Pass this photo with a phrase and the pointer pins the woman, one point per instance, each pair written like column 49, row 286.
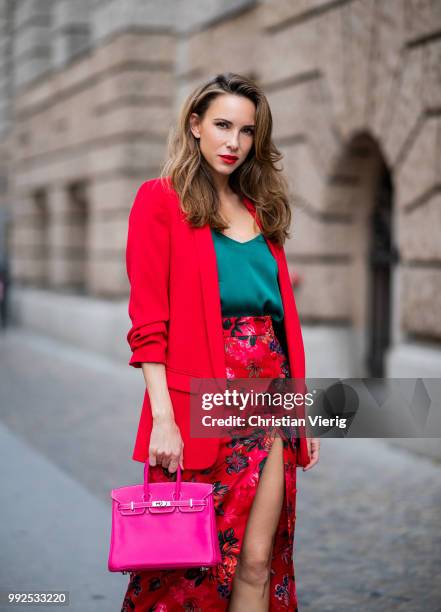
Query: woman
column 211, row 298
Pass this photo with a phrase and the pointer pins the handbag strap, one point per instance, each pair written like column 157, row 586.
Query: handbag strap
column 146, row 481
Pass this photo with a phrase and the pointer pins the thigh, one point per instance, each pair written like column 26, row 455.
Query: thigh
column 265, row 511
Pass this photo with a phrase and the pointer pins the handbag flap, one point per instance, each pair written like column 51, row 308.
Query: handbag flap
column 193, row 498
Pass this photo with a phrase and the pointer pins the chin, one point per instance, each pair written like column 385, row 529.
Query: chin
column 221, row 169
column 226, row 169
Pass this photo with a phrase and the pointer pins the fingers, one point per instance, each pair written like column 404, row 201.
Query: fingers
column 173, row 466
column 310, row 465
column 171, row 463
column 152, row 458
column 313, row 452
column 155, row 458
column 167, row 459
column 181, row 458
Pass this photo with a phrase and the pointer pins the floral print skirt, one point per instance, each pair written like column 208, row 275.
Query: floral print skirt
column 251, row 350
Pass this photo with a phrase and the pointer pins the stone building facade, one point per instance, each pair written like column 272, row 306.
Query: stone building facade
column 89, row 90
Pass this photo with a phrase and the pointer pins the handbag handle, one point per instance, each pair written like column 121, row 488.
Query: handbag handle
column 146, row 482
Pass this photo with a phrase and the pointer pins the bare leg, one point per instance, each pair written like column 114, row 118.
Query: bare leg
column 252, row 578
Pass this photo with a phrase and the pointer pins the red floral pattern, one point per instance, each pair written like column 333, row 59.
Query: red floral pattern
column 251, row 350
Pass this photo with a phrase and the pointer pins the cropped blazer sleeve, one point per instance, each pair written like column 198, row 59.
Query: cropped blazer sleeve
column 147, row 263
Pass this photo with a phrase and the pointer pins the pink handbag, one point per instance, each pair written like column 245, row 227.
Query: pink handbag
column 163, row 525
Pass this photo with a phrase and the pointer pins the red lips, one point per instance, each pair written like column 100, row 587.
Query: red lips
column 229, row 159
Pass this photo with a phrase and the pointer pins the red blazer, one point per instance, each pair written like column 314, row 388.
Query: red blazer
column 175, row 310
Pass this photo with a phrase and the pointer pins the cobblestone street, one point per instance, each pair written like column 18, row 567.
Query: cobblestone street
column 368, row 533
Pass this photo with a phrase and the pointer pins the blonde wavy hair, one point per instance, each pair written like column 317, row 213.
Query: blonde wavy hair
column 257, row 177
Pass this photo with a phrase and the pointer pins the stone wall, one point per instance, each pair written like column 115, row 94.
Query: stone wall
column 98, row 124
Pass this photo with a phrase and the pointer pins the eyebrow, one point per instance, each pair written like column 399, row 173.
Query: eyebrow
column 227, row 121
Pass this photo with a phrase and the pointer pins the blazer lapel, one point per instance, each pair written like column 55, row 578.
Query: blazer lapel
column 294, row 339
column 292, row 325
column 211, row 298
column 271, row 245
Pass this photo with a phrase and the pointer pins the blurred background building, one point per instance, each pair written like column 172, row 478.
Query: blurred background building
column 89, row 89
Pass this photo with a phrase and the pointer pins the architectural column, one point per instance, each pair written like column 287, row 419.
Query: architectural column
column 67, row 237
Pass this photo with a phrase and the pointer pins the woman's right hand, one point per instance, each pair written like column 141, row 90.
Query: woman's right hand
column 166, row 444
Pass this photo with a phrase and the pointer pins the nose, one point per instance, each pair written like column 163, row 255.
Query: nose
column 233, row 142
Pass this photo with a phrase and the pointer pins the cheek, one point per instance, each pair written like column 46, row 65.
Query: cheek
column 249, row 146
column 212, row 141
column 217, row 139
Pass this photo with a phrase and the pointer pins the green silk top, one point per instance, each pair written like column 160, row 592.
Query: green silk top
column 248, row 281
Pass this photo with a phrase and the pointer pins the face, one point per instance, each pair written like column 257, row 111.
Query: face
column 227, row 129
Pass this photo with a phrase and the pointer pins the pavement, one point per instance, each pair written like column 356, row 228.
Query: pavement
column 368, row 529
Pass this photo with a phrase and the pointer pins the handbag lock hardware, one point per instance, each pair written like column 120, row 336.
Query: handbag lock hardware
column 161, row 503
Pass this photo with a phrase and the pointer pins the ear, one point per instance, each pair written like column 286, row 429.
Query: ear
column 194, row 125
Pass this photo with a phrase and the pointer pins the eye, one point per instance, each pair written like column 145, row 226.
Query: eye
column 223, row 124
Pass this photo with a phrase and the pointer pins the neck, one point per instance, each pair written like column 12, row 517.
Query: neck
column 222, row 186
